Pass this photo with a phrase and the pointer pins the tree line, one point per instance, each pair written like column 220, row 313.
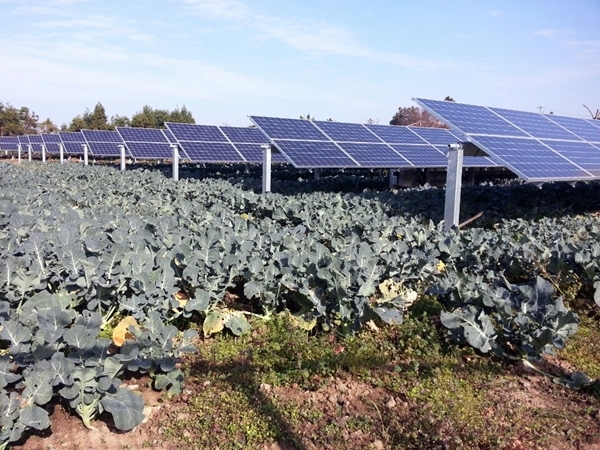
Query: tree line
column 16, row 121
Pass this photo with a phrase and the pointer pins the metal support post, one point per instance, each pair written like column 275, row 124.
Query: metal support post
column 317, row 173
column 85, row 154
column 43, row 153
column 61, row 149
column 175, row 162
column 29, row 152
column 453, row 186
column 19, row 152
column 122, row 148
column 266, row 182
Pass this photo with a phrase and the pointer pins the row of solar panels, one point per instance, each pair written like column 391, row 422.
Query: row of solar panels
column 305, row 144
column 537, row 147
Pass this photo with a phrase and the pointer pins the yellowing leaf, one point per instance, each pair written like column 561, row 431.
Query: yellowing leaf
column 214, row 323
column 300, row 322
column 245, row 216
column 441, row 266
column 120, row 333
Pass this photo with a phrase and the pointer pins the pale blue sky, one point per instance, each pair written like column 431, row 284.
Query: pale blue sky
column 348, row 60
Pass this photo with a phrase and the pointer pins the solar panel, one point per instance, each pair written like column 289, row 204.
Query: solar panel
column 536, row 147
column 435, row 136
column 584, row 129
column 374, row 155
column 422, row 155
column 196, row 133
column 52, row 142
column 205, row 143
column 395, row 134
column 9, row 143
column 104, row 143
column 471, row 119
column 296, row 129
column 249, row 141
column 310, row 154
column 146, row 143
column 73, row 141
column 530, row 159
column 535, row 125
column 347, row 132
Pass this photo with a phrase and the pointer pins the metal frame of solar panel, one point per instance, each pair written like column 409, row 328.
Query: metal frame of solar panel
column 537, row 147
column 313, row 144
column 146, row 143
column 73, row 141
column 104, row 143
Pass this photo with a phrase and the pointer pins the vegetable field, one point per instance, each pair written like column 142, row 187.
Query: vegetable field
column 105, row 274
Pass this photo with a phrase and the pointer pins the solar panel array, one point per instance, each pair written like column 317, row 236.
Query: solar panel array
column 9, row 143
column 146, row 143
column 309, row 144
column 72, row 141
column 210, row 143
column 52, row 142
column 537, row 147
column 104, row 143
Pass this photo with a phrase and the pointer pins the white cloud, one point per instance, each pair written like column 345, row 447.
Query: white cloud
column 547, row 33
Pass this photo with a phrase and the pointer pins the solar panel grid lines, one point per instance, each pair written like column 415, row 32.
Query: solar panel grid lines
column 583, row 128
column 557, row 148
column 248, row 141
column 471, row 119
column 52, row 142
column 35, row 139
column 392, row 134
column 205, row 143
column 535, row 125
column 104, row 143
column 196, row 133
column 73, row 141
column 146, row 143
column 311, row 154
column 347, row 132
column 374, row 155
column 9, row 143
column 531, row 159
column 291, row 129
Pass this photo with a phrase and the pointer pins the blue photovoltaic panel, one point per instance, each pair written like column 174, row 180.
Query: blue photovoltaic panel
column 530, row 159
column 104, row 143
column 73, row 141
column 151, row 150
column 196, row 133
column 244, row 135
column 146, row 143
column 583, row 154
column 347, row 132
column 583, row 128
column 557, row 147
column 211, row 152
column 72, row 136
column 23, row 139
column 310, row 154
column 52, row 142
column 9, row 143
column 471, row 119
column 435, row 136
column 294, row 129
column 422, row 155
column 534, row 124
column 392, row 134
column 169, row 135
column 248, row 142
column 35, row 139
column 374, row 155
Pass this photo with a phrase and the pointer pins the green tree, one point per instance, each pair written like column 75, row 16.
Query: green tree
column 15, row 121
column 120, row 121
column 156, row 118
column 94, row 120
column 47, row 126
